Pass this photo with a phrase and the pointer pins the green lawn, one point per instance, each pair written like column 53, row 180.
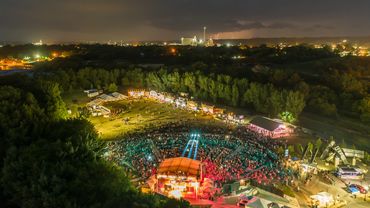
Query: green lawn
column 140, row 114
column 343, row 129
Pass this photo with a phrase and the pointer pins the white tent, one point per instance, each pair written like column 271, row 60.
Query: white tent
column 322, row 199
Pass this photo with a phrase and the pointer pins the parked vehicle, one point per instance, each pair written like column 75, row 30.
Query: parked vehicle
column 353, row 190
column 360, row 188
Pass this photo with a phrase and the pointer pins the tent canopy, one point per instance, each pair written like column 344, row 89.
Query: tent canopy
column 180, row 166
column 265, row 123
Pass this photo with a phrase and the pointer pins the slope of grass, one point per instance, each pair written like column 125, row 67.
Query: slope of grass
column 139, row 115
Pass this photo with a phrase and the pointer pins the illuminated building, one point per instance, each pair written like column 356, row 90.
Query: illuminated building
column 207, row 108
column 348, row 172
column 194, row 41
column 268, row 127
column 322, row 199
column 136, row 93
column 182, row 177
column 189, row 41
column 192, row 105
column 179, row 177
column 210, row 42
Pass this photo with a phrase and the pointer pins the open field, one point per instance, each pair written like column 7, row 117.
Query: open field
column 343, row 130
column 137, row 115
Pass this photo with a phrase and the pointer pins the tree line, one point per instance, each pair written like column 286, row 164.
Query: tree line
column 216, row 88
column 287, row 93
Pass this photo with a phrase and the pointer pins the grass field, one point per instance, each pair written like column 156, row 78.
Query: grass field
column 343, row 130
column 134, row 115
column 139, row 115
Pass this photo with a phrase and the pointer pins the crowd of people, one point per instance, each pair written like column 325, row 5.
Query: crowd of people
column 226, row 154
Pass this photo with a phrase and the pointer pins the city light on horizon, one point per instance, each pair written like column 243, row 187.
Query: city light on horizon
column 227, row 21
column 185, row 103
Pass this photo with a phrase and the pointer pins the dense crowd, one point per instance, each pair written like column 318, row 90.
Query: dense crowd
column 226, row 154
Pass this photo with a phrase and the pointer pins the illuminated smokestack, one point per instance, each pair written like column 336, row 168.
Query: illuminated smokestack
column 204, row 34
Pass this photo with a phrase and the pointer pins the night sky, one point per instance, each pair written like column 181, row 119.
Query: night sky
column 103, row 20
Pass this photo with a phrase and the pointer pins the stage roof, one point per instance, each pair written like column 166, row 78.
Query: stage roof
column 180, row 166
column 265, row 123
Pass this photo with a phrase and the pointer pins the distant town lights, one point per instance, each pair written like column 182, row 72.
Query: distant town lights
column 38, row 43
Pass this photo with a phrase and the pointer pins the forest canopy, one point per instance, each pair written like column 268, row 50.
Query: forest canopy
column 51, row 161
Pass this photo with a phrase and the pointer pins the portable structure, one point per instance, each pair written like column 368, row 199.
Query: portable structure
column 268, row 127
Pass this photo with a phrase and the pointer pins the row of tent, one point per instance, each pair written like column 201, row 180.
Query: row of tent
column 96, row 107
column 183, row 101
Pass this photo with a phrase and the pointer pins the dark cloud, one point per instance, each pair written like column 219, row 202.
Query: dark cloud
column 103, row 20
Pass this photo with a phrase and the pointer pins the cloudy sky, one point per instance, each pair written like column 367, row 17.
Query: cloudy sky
column 133, row 20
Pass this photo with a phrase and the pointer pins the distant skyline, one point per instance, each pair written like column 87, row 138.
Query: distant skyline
column 129, row 20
